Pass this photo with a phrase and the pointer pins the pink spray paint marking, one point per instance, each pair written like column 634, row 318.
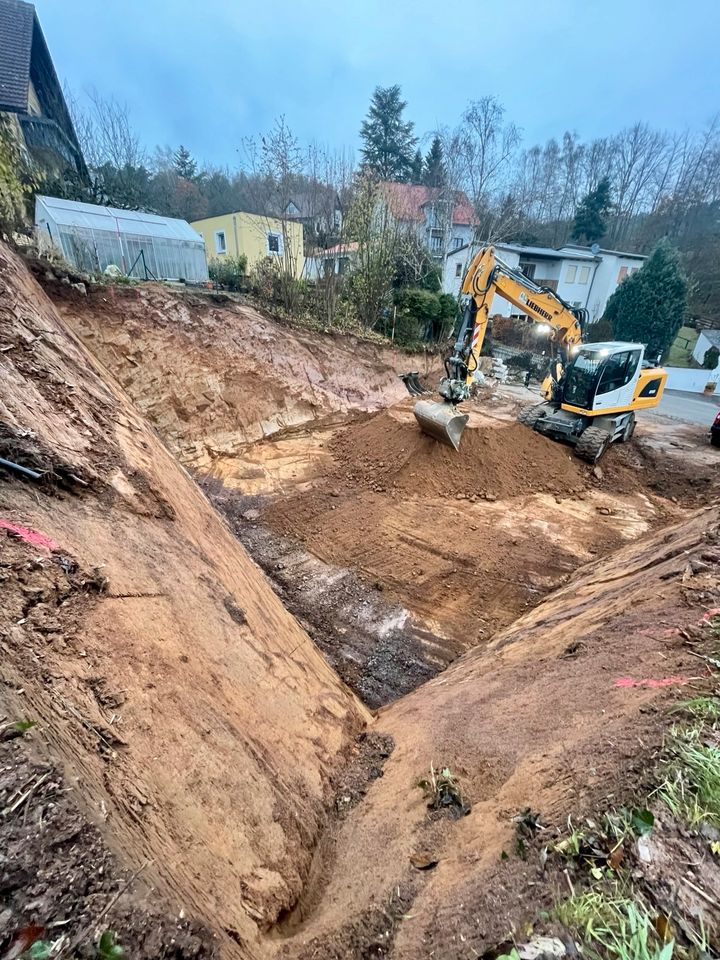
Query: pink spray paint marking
column 33, row 537
column 662, row 682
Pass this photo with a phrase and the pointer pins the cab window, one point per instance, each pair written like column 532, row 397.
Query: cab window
column 618, row 371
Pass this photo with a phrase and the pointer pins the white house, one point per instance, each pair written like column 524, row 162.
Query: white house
column 582, row 278
column 443, row 220
column 338, row 259
column 706, row 340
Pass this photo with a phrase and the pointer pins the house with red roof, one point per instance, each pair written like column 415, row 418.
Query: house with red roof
column 444, row 220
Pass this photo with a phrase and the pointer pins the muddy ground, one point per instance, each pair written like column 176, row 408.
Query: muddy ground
column 505, row 612
column 398, row 554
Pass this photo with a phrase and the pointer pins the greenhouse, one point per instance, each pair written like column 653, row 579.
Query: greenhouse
column 138, row 244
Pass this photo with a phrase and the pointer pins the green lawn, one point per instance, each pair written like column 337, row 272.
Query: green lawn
column 680, row 354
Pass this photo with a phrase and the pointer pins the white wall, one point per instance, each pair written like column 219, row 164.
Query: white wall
column 452, row 283
column 692, row 381
column 575, row 291
column 606, row 281
column 701, row 347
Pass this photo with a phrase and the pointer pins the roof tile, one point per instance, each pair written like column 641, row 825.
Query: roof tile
column 16, row 34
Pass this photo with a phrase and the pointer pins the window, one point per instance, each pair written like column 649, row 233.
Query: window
column 529, row 270
column 220, row 242
column 273, row 242
column 584, row 274
column 622, row 274
column 570, row 274
column 436, row 240
column 633, row 270
column 619, row 370
column 458, row 269
column 457, row 243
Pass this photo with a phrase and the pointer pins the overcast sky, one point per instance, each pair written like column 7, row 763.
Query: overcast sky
column 209, row 72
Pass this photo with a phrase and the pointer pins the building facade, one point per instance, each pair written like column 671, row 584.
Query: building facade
column 255, row 237
column 31, row 99
column 442, row 220
column 580, row 276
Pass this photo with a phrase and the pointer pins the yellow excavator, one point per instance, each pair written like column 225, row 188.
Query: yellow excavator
column 591, row 391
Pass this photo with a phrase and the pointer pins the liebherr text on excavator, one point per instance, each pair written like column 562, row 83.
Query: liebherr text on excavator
column 591, row 391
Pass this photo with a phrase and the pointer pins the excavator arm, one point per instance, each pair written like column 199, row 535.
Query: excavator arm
column 488, row 275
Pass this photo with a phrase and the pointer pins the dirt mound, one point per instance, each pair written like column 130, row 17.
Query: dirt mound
column 500, row 460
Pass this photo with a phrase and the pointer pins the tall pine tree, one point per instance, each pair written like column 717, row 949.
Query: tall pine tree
column 434, row 175
column 591, row 214
column 183, row 163
column 416, row 168
column 388, row 141
column 649, row 306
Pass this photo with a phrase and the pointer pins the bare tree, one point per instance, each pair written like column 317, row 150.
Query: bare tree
column 377, row 235
column 105, row 131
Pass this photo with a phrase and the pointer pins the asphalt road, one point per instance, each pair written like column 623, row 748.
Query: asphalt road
column 690, row 407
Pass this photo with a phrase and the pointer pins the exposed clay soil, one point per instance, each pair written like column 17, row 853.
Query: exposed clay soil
column 214, row 377
column 58, row 880
column 200, row 723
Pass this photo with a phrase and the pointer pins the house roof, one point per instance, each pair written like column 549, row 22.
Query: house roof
column 17, row 20
column 90, row 216
column 712, row 336
column 616, row 253
column 309, row 203
column 407, row 200
column 535, row 252
column 338, row 250
column 548, row 252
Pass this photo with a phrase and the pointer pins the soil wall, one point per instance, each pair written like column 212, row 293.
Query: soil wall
column 194, row 717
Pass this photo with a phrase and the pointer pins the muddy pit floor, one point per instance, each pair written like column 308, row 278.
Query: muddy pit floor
column 397, row 554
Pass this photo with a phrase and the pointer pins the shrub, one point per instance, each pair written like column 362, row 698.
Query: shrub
column 600, row 331
column 422, row 315
column 230, row 272
column 710, row 360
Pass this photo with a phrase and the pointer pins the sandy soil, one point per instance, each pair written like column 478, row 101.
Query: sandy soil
column 212, row 378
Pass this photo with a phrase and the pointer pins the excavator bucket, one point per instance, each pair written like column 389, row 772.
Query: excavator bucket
column 441, row 421
column 412, row 384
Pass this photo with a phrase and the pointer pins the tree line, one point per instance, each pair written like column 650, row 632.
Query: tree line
column 626, row 190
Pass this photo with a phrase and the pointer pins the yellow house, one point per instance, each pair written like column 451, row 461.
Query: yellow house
column 255, row 236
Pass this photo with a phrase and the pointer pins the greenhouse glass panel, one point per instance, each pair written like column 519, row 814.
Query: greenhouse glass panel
column 139, row 244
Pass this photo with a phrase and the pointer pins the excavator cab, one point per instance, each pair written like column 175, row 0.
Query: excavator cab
column 601, row 388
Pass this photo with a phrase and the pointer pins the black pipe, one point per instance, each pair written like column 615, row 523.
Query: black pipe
column 25, row 471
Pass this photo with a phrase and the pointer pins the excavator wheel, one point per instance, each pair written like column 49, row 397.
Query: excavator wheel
column 592, row 444
column 529, row 416
column 629, row 429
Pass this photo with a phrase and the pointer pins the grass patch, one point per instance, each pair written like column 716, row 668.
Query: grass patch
column 691, row 786
column 680, row 353
column 691, row 789
column 615, row 926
